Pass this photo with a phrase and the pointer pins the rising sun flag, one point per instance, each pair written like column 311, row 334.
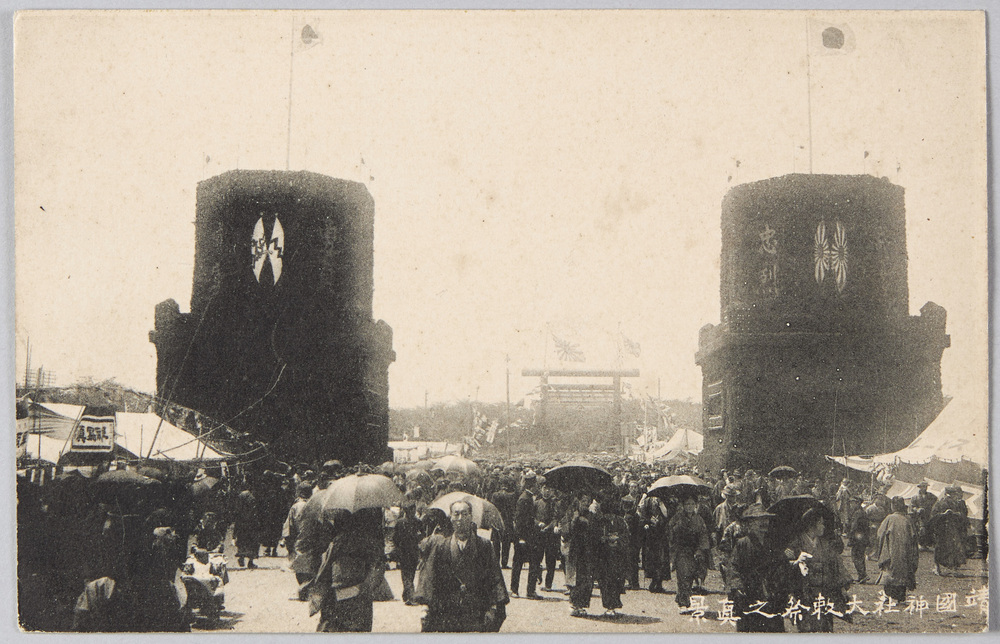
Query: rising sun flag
column 568, row 351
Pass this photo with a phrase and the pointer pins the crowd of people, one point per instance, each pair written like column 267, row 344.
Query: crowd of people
column 604, row 537
column 99, row 555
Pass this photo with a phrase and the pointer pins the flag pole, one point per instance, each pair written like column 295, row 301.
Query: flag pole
column 291, row 67
column 809, row 94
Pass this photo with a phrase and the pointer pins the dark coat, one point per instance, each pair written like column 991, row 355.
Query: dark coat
column 950, row 525
column 525, row 526
column 459, row 586
column 408, row 533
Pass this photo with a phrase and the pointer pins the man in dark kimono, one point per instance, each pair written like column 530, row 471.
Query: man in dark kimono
column 611, row 541
column 752, row 578
column 247, row 528
column 407, row 537
column 656, row 545
column 634, row 523
column 689, row 544
column 505, row 501
column 922, row 505
column 950, row 522
column 460, row 581
column 547, row 517
column 527, row 532
column 858, row 533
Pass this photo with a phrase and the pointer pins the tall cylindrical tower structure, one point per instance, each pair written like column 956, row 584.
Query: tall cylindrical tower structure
column 816, row 352
column 280, row 341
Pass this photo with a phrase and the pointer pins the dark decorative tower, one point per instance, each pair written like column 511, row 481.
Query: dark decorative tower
column 816, row 353
column 280, row 341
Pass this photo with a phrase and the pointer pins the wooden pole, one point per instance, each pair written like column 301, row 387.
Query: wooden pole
column 291, row 67
column 809, row 94
column 508, row 406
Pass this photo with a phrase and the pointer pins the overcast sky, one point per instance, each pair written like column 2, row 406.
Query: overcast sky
column 534, row 174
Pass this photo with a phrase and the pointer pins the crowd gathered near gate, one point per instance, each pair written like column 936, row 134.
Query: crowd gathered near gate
column 107, row 552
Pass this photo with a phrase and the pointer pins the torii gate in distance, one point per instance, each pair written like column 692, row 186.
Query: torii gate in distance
column 584, row 394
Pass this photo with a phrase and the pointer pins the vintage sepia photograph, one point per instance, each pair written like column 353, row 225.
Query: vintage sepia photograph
column 583, row 321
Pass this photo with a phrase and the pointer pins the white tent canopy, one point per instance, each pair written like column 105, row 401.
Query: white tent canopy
column 51, row 424
column 959, row 433
column 53, row 420
column 45, row 448
column 684, row 443
column 413, row 451
column 136, row 433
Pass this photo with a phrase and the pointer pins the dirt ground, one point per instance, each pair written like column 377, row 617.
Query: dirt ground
column 263, row 601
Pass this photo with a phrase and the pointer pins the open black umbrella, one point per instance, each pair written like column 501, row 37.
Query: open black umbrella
column 577, row 475
column 783, row 472
column 788, row 514
column 125, row 477
column 124, row 487
column 679, row 485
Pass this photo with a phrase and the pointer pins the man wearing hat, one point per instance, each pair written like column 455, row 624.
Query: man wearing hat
column 897, row 552
column 725, row 512
column 331, row 471
column 950, row 518
column 752, row 576
column 527, row 547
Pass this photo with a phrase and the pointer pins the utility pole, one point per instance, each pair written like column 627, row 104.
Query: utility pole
column 27, row 363
column 508, row 405
column 660, row 419
column 291, row 69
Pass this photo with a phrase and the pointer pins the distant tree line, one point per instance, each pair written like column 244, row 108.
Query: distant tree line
column 575, row 428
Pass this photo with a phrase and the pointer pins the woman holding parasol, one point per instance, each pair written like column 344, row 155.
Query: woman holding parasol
column 352, row 570
column 815, row 568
